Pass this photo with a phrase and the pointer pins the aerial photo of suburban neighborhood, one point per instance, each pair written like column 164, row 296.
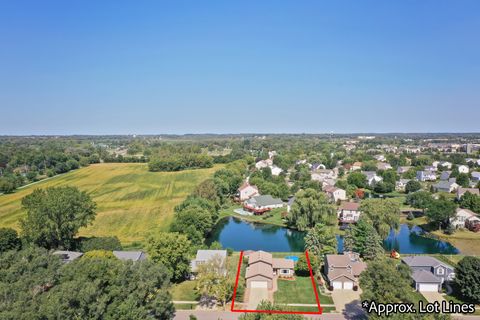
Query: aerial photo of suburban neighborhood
column 239, row 160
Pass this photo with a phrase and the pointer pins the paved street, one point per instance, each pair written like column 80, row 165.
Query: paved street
column 227, row 315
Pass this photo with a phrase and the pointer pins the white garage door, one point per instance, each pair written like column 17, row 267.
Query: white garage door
column 428, row 287
column 337, row 284
column 348, row 285
column 259, row 284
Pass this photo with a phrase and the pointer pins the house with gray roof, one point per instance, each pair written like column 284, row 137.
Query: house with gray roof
column 343, row 270
column 425, row 281
column 439, row 272
column 445, row 175
column 446, row 186
column 475, row 176
column 426, row 175
column 68, row 256
column 205, row 256
column 261, row 204
column 372, row 177
column 130, row 255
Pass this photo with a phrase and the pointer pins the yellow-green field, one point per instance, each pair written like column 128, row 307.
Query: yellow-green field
column 131, row 201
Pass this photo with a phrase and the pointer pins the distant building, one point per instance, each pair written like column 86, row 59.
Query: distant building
column 402, row 170
column 463, row 169
column 356, row 166
column 445, row 186
column 246, row 191
column 263, row 164
column 276, row 170
column 204, row 256
column 261, row 204
column 445, row 175
column 462, row 216
column 349, row 212
column 68, row 256
column 372, row 178
column 462, row 191
column 426, row 176
column 335, row 194
column 401, row 184
column 130, row 255
column 383, row 166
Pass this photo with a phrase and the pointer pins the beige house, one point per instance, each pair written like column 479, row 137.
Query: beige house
column 335, row 194
column 462, row 191
column 349, row 212
column 343, row 270
column 263, row 268
column 461, row 217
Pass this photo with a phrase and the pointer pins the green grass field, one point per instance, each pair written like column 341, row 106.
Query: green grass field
column 131, row 201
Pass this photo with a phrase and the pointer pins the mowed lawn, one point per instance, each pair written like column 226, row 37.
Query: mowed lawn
column 299, row 290
column 131, row 201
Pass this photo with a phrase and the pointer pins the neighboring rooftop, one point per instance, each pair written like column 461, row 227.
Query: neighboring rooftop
column 130, row 255
column 423, row 261
column 351, row 206
column 68, row 256
column 265, row 200
column 422, row 276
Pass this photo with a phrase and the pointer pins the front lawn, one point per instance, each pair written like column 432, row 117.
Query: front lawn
column 299, row 290
column 184, row 291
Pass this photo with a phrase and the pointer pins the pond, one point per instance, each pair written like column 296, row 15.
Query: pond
column 243, row 235
column 409, row 239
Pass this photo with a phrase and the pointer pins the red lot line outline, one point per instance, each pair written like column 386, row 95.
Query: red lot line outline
column 232, row 309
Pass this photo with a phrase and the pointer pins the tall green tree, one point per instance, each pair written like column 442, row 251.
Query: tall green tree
column 309, row 208
column 357, row 179
column 420, row 199
column 9, row 240
column 467, row 278
column 412, row 186
column 195, row 222
column 470, row 201
column 212, row 283
column 463, row 180
column 383, row 214
column 364, row 239
column 172, row 250
column 54, row 216
column 321, row 240
column 102, row 288
column 383, row 281
column 25, row 276
column 207, row 190
column 440, row 211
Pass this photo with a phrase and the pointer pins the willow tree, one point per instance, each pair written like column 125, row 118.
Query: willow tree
column 383, row 214
column 309, row 208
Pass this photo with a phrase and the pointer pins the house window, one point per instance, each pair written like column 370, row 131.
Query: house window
column 285, row 271
column 440, row 271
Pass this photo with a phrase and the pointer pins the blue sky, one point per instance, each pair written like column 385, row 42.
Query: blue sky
column 114, row 67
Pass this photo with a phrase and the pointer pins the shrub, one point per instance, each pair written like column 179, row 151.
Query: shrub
column 9, row 240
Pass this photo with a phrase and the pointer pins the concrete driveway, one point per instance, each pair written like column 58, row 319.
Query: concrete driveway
column 256, row 295
column 433, row 296
column 348, row 303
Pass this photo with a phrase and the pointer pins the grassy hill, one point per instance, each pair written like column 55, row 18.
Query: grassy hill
column 131, row 201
